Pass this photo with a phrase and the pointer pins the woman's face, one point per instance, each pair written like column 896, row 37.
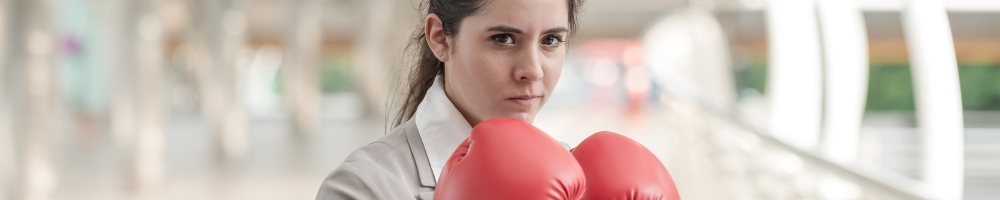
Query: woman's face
column 505, row 60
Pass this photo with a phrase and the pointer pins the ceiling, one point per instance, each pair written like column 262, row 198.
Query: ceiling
column 345, row 19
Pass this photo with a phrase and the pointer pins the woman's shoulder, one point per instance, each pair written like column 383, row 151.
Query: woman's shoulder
column 395, row 142
column 373, row 170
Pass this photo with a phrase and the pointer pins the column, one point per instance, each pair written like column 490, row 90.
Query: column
column 937, row 95
column 845, row 59
column 794, row 85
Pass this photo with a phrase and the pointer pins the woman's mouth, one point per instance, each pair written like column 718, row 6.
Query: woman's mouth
column 525, row 100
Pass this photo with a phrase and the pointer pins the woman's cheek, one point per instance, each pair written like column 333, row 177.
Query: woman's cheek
column 487, row 74
column 493, row 67
column 553, row 73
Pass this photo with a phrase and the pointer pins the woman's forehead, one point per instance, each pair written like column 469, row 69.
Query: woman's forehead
column 527, row 15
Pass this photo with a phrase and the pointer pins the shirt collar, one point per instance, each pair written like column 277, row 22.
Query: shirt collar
column 441, row 127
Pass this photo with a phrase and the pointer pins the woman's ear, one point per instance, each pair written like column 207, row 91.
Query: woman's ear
column 436, row 39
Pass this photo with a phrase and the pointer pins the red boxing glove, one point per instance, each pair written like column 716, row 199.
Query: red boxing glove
column 619, row 168
column 509, row 159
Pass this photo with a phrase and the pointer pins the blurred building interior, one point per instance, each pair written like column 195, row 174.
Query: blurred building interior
column 741, row 99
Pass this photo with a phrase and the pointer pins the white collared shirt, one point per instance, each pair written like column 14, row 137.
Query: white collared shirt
column 442, row 128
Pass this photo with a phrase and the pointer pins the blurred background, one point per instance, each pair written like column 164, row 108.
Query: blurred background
column 741, row 99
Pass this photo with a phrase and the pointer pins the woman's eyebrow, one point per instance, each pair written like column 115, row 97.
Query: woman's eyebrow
column 508, row 29
column 556, row 30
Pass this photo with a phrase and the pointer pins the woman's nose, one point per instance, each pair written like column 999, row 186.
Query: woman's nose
column 529, row 69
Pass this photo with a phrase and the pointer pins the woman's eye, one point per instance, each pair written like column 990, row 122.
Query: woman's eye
column 552, row 40
column 504, row 39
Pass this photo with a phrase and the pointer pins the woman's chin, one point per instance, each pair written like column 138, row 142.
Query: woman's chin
column 523, row 116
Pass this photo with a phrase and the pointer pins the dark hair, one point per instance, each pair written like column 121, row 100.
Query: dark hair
column 427, row 66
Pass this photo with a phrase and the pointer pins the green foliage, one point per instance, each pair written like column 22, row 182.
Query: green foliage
column 336, row 76
column 752, row 77
column 980, row 87
column 890, row 86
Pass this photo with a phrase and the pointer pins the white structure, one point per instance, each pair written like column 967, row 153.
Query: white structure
column 937, row 96
column 794, row 85
column 845, row 58
column 689, row 50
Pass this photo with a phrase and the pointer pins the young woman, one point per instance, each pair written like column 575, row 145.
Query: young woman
column 478, row 59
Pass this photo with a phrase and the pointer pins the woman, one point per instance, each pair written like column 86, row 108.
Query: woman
column 478, row 59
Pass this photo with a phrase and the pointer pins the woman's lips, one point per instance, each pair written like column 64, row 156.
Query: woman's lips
column 525, row 100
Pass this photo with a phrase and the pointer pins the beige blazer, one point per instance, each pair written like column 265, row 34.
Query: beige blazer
column 393, row 167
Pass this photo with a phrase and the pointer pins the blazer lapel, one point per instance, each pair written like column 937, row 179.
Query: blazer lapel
column 425, row 196
column 419, row 155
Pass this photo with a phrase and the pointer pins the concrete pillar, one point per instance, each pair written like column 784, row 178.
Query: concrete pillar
column 372, row 56
column 302, row 68
column 7, row 149
column 31, row 94
column 220, row 43
column 138, row 109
